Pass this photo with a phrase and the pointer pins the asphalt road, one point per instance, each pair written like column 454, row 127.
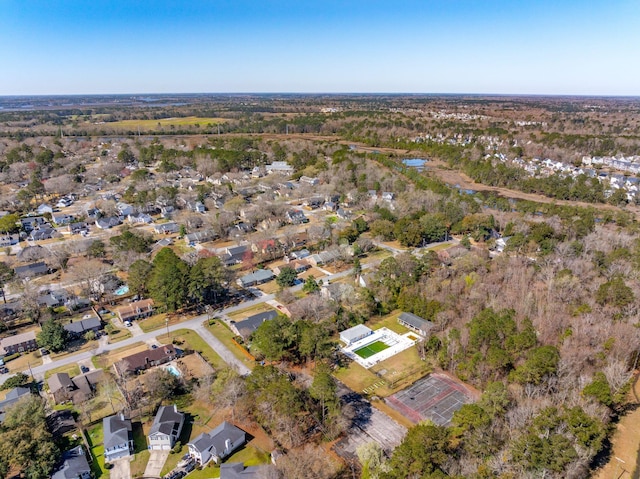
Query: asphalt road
column 196, row 324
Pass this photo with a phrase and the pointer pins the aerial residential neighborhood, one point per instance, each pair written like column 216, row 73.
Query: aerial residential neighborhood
column 325, row 297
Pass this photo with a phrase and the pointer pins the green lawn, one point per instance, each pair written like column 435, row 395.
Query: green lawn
column 371, row 349
column 139, row 464
column 94, row 437
column 389, row 321
column 71, row 369
column 226, row 336
column 119, row 334
column 156, row 321
column 194, row 341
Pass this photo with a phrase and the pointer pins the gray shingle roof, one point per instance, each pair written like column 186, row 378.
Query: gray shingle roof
column 167, row 419
column 117, row 430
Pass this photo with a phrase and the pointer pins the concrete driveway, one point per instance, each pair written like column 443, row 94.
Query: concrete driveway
column 121, row 469
column 156, row 463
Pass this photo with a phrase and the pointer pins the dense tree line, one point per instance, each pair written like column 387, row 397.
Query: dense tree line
column 174, row 283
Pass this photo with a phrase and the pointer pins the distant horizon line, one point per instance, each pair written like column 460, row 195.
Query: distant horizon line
column 363, row 93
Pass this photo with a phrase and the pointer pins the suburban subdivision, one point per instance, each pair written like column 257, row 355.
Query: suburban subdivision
column 319, row 286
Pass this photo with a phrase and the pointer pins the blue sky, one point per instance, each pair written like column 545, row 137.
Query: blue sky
column 428, row 46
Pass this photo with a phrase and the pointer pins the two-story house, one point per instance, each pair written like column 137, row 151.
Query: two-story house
column 217, row 444
column 118, row 439
column 166, row 428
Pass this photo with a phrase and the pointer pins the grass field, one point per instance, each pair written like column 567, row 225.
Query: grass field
column 371, row 349
column 186, row 337
column 152, row 124
column 225, row 335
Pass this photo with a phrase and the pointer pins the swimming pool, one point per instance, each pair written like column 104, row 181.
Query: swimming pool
column 173, row 370
column 124, row 289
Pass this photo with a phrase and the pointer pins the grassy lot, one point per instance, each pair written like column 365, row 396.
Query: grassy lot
column 225, row 335
column 156, row 321
column 105, row 360
column 245, row 313
column 356, row 377
column 164, row 122
column 94, row 436
column 191, row 339
column 119, row 334
column 139, row 464
column 395, row 373
column 389, row 321
column 375, row 256
column 270, row 287
column 77, row 346
column 22, row 362
column 71, row 369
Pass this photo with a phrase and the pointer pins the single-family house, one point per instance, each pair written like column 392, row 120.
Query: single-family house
column 237, row 470
column 61, row 387
column 279, row 167
column 166, row 428
column 41, row 234
column 309, row 181
column 12, row 397
column 314, row 203
column 135, row 310
column 44, row 208
column 18, row 343
column 107, row 223
column 61, row 218
column 118, row 440
column 296, row 217
column 388, row 196
column 9, row 240
column 65, row 202
column 351, row 335
column 300, row 254
column 247, row 327
column 31, row 270
column 258, row 277
column 139, row 218
column 217, row 444
column 32, row 222
column 416, row 323
column 125, row 209
column 145, row 359
column 233, row 254
column 167, row 211
column 324, row 257
column 57, row 297
column 77, row 329
column 299, row 265
column 78, row 228
column 74, row 465
column 166, row 228
column 200, row 237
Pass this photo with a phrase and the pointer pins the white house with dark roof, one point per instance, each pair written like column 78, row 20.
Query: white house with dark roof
column 218, row 444
column 118, row 440
column 166, row 428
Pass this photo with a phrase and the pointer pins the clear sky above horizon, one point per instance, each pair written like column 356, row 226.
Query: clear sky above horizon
column 431, row 46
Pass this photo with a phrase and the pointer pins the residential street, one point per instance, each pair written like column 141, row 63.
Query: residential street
column 196, row 324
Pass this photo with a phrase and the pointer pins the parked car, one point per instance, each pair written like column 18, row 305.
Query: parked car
column 84, row 369
column 44, row 351
column 3, row 370
column 128, row 324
